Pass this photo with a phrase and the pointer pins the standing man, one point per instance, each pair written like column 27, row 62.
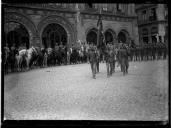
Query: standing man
column 92, row 55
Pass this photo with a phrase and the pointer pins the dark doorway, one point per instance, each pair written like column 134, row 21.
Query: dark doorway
column 16, row 35
column 92, row 36
column 108, row 37
column 122, row 37
column 53, row 35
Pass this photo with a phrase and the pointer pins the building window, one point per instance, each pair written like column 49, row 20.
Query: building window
column 166, row 13
column 144, row 15
column 145, row 36
column 118, row 7
column 152, row 14
column 105, row 7
column 89, row 6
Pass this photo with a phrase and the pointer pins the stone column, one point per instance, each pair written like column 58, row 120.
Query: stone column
column 160, row 12
column 135, row 34
column 37, row 42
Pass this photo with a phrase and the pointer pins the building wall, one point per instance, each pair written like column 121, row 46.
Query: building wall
column 74, row 19
column 145, row 23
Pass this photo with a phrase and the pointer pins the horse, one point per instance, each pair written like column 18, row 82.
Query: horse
column 40, row 56
column 26, row 58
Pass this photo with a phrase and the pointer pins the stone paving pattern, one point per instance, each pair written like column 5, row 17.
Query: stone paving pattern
column 70, row 93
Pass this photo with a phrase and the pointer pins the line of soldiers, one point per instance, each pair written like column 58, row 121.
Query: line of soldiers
column 123, row 53
column 148, row 52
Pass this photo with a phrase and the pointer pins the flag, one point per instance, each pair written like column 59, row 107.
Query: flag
column 100, row 34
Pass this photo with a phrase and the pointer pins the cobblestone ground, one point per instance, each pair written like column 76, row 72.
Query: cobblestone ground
column 69, row 92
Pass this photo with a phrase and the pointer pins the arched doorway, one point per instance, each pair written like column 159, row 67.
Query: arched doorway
column 110, row 36
column 92, row 36
column 16, row 35
column 123, row 36
column 54, row 35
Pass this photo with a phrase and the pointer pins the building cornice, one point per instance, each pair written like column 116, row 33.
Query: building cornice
column 145, row 6
column 153, row 22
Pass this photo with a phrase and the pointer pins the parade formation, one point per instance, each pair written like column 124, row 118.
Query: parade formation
column 17, row 58
column 21, row 60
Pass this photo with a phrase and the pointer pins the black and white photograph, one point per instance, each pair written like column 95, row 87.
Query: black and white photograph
column 80, row 61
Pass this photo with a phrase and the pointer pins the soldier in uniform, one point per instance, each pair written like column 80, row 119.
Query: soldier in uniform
column 141, row 52
column 164, row 51
column 123, row 54
column 145, row 52
column 109, row 59
column 153, row 52
column 136, row 53
column 98, row 59
column 93, row 59
column 114, row 58
column 6, row 52
column 13, row 53
column 150, row 52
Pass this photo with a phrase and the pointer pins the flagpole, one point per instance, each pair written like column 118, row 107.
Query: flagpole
column 98, row 33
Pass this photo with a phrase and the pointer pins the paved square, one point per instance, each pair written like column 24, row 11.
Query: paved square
column 69, row 92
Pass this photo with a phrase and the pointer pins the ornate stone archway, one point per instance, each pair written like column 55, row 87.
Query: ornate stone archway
column 71, row 32
column 112, row 33
column 91, row 35
column 123, row 36
column 25, row 21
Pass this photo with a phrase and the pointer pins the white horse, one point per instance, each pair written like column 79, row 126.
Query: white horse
column 25, row 54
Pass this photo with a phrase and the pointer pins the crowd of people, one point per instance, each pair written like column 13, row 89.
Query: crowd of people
column 21, row 59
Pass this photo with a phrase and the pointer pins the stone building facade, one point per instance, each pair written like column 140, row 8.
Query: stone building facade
column 47, row 25
column 152, row 22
